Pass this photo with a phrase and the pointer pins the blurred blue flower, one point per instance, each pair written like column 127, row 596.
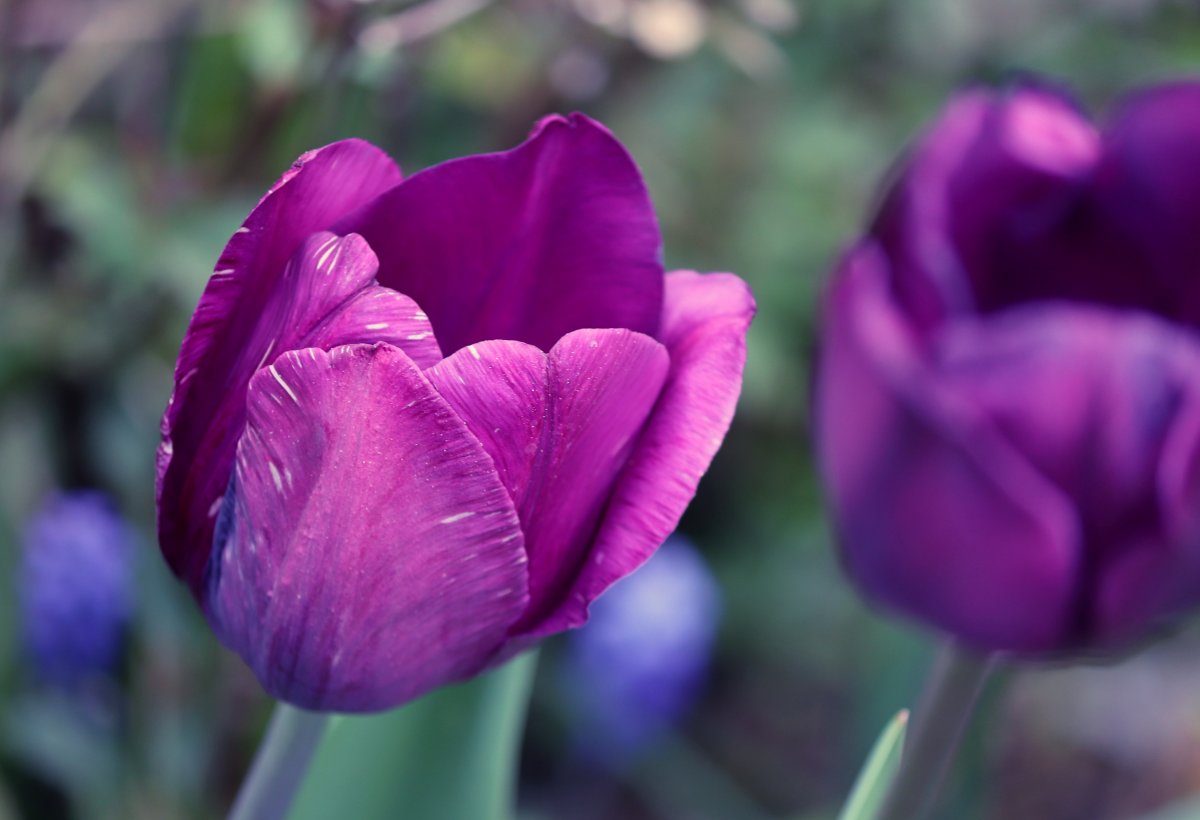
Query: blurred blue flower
column 637, row 665
column 76, row 588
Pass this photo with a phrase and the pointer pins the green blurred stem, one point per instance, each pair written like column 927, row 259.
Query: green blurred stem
column 279, row 765
column 941, row 717
column 452, row 755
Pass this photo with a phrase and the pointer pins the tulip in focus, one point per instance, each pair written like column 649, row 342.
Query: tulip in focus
column 637, row 665
column 1008, row 399
column 420, row 423
column 76, row 588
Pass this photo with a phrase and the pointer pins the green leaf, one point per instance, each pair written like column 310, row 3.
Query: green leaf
column 448, row 756
column 877, row 773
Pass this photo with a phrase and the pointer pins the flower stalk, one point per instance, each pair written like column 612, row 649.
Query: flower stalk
column 941, row 718
column 280, row 764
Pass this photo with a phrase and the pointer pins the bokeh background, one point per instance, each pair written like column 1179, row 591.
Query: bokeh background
column 136, row 134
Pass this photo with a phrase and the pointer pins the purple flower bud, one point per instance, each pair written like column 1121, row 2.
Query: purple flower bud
column 76, row 588
column 637, row 666
column 1008, row 398
column 420, row 424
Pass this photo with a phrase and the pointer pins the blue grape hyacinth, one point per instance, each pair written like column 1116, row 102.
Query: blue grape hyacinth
column 76, row 588
column 638, row 665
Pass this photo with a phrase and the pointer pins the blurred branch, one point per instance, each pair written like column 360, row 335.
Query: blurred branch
column 418, row 23
column 100, row 47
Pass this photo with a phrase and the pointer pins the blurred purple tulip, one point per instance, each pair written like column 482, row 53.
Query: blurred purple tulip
column 1008, row 402
column 638, row 664
column 418, row 425
column 76, row 588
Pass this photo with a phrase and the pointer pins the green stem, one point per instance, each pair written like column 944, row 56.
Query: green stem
column 450, row 755
column 279, row 765
column 941, row 717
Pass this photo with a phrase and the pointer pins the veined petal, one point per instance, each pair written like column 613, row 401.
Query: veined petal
column 322, row 186
column 326, row 297
column 705, row 319
column 559, row 427
column 370, row 552
column 499, row 388
column 555, row 235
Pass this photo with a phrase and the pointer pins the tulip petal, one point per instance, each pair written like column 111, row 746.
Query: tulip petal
column 201, row 420
column 996, row 169
column 559, row 427
column 325, row 297
column 555, row 235
column 328, row 297
column 1094, row 398
column 499, row 388
column 705, row 319
column 1148, row 192
column 368, row 552
column 938, row 514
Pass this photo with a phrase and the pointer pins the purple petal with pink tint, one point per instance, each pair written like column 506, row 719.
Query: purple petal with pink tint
column 993, row 172
column 560, row 426
column 368, row 549
column 1148, row 191
column 202, row 420
column 1001, row 567
column 328, row 297
column 705, row 319
column 555, row 235
column 1094, row 398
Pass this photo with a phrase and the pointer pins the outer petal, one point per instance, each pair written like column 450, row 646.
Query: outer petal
column 938, row 515
column 321, row 187
column 1103, row 403
column 559, row 427
column 705, row 319
column 555, row 235
column 991, row 167
column 368, row 550
column 1148, row 190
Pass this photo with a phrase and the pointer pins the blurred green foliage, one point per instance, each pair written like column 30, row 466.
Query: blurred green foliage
column 129, row 152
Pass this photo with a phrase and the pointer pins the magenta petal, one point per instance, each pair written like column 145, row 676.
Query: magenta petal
column 369, row 550
column 321, row 187
column 499, row 388
column 1104, row 403
column 1148, row 190
column 1089, row 395
column 559, row 426
column 989, row 157
column 705, row 318
column 555, row 235
column 938, row 514
column 328, row 297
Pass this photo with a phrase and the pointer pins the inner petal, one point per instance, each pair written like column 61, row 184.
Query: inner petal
column 559, row 427
column 529, row 244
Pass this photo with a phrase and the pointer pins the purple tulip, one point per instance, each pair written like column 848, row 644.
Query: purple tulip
column 418, row 425
column 636, row 667
column 76, row 588
column 1008, row 399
